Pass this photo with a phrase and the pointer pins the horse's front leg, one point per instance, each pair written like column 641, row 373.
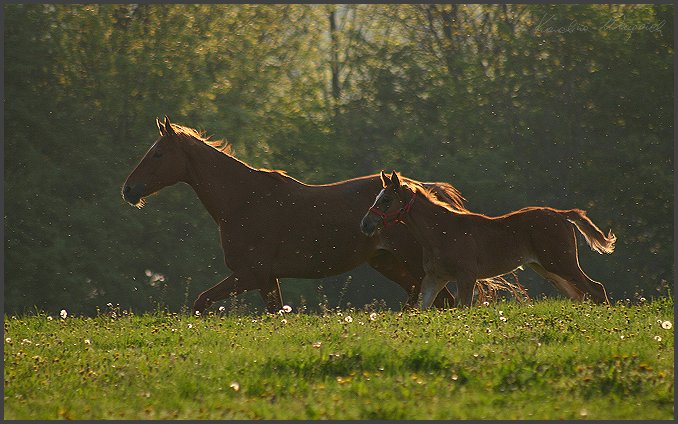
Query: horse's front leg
column 235, row 283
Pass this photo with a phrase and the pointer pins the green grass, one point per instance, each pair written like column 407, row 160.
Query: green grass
column 552, row 360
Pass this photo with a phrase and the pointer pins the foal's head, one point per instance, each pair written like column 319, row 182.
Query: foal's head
column 391, row 204
column 163, row 165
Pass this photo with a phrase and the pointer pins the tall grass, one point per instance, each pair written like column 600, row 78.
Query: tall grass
column 548, row 360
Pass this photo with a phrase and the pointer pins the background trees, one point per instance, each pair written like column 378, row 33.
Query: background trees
column 516, row 105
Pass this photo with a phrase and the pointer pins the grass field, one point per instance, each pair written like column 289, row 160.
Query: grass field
column 550, row 360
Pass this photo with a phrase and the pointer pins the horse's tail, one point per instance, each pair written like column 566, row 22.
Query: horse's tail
column 592, row 234
column 449, row 194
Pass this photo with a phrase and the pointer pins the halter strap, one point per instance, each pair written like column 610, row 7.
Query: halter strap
column 394, row 217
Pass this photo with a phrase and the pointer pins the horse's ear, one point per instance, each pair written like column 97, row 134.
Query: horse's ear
column 168, row 126
column 161, row 126
column 395, row 179
column 385, row 180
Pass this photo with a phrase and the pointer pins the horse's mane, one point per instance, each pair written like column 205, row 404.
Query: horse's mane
column 225, row 148
column 444, row 195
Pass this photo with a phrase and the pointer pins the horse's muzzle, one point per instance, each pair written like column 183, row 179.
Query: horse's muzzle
column 132, row 195
column 369, row 225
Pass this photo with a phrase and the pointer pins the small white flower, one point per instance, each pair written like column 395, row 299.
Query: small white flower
column 63, row 314
column 642, row 299
column 486, row 303
column 287, row 308
column 88, row 341
column 235, row 385
column 501, row 313
column 190, row 325
column 373, row 316
column 49, row 318
column 666, row 325
column 658, row 338
column 348, row 318
column 26, row 341
column 284, row 321
column 316, row 345
column 197, row 313
column 9, row 340
column 109, row 304
column 222, row 308
column 502, row 319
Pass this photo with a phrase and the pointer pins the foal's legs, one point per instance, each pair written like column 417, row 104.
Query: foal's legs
column 562, row 284
column 389, row 266
column 465, row 286
column 429, row 290
column 561, row 266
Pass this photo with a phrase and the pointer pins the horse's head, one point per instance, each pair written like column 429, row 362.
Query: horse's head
column 390, row 206
column 164, row 164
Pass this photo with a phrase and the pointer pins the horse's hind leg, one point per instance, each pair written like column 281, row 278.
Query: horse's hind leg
column 272, row 295
column 389, row 266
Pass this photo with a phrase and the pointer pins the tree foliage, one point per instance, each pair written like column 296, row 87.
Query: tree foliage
column 516, row 105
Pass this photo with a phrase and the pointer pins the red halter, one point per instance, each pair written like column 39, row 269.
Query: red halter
column 394, row 217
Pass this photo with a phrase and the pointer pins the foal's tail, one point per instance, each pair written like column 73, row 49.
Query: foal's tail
column 594, row 237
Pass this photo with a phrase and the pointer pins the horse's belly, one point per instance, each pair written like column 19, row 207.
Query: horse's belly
column 318, row 259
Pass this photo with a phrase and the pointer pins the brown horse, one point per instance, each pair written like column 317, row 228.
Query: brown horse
column 273, row 226
column 462, row 246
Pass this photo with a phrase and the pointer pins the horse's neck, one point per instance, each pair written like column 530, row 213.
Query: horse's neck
column 221, row 182
column 424, row 218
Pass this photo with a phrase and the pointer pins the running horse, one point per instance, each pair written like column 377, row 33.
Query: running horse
column 273, row 226
column 464, row 247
